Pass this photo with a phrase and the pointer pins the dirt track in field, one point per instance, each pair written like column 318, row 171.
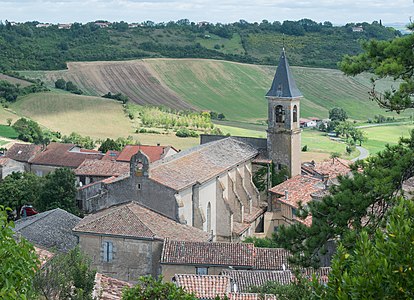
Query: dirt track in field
column 136, row 79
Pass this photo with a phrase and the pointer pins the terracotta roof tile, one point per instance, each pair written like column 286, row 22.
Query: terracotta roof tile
column 4, row 161
column 271, row 259
column 96, row 167
column 322, row 274
column 299, row 189
column 250, row 296
column 61, row 155
column 204, row 286
column 244, row 279
column 111, row 155
column 201, row 163
column 332, row 167
column 136, row 221
column 216, row 254
column 154, row 153
column 240, row 228
column 108, row 288
column 23, row 152
column 43, row 255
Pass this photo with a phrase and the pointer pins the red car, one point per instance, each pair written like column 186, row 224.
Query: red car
column 28, row 211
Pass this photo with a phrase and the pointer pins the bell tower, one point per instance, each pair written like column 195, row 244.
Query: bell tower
column 283, row 133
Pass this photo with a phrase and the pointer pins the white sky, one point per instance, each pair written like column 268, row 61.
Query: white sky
column 224, row 11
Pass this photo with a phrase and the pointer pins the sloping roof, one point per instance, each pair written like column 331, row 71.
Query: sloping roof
column 136, row 221
column 49, row 229
column 200, row 163
column 108, row 288
column 299, row 189
column 204, row 286
column 213, row 254
column 250, row 296
column 283, row 85
column 4, row 161
column 59, row 154
column 111, row 155
column 271, row 259
column 154, row 153
column 332, row 167
column 104, row 168
column 244, row 279
column 23, row 152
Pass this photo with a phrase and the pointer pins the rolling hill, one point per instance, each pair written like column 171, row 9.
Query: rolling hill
column 235, row 89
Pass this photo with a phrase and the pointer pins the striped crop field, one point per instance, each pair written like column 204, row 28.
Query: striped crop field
column 234, row 89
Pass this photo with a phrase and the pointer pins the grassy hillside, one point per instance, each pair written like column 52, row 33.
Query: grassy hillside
column 235, row 89
column 379, row 136
column 93, row 116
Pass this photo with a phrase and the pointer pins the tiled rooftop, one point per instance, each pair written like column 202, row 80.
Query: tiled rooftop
column 108, row 288
column 204, row 286
column 244, row 279
column 50, row 229
column 201, row 163
column 224, row 254
column 271, row 259
column 59, row 154
column 136, row 221
column 43, row 255
column 299, row 188
column 23, row 152
column 250, row 296
column 154, row 153
column 332, row 167
column 102, row 168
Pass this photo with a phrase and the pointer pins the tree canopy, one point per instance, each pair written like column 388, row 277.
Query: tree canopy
column 18, row 262
column 358, row 203
column 338, row 114
column 395, row 59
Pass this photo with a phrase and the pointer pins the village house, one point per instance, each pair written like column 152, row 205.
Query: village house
column 23, row 153
column 311, row 185
column 201, row 258
column 8, row 166
column 125, row 241
column 49, row 230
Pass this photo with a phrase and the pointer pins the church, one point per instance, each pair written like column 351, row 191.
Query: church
column 210, row 186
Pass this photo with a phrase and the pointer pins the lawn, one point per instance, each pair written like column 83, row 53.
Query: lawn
column 8, row 132
column 379, row 136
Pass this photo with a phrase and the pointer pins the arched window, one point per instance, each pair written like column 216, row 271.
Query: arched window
column 279, row 114
column 295, row 113
column 209, row 217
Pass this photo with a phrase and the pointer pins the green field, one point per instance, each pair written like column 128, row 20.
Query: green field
column 379, row 136
column 234, row 89
column 8, row 132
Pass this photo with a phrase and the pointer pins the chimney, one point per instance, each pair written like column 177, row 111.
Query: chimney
column 286, row 195
column 325, row 180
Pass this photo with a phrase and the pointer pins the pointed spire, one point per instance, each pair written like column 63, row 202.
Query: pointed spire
column 283, row 85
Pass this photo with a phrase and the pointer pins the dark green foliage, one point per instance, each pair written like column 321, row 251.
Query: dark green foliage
column 9, row 91
column 338, row 114
column 110, row 144
column 348, row 210
column 28, row 130
column 261, row 242
column 260, row 178
column 60, row 84
column 66, row 276
column 293, row 291
column 19, row 189
column 150, row 288
column 59, row 191
column 380, row 266
column 185, row 132
column 18, row 262
column 387, row 59
column 82, row 141
column 26, row 47
column 117, row 96
column 305, row 148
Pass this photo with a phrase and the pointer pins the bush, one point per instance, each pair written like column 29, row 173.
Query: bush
column 185, row 132
column 305, row 148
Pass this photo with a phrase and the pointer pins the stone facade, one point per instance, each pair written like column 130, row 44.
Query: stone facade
column 8, row 166
column 131, row 257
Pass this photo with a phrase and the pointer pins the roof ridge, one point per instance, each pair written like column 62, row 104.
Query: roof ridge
column 138, row 218
column 104, row 214
column 35, row 218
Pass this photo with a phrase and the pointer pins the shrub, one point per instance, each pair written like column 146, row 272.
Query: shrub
column 185, row 132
